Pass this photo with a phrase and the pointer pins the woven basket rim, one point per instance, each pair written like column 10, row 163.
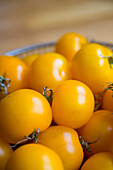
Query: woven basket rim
column 21, row 50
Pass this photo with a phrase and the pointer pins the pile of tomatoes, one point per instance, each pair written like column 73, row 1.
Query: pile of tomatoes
column 56, row 109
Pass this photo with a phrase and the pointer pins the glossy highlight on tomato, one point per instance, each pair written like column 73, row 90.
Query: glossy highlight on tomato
column 22, row 112
column 65, row 142
column 91, row 65
column 36, row 157
column 50, row 69
column 73, row 104
column 16, row 71
column 69, row 44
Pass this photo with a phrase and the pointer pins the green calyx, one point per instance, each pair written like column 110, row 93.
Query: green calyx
column 98, row 103
column 109, row 87
column 110, row 60
column 33, row 136
column 84, row 144
column 48, row 94
column 4, row 84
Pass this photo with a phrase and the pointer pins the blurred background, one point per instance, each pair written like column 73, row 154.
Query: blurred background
column 26, row 22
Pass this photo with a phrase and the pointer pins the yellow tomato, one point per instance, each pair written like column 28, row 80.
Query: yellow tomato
column 34, row 157
column 16, row 70
column 90, row 65
column 99, row 161
column 22, row 112
column 30, row 59
column 69, row 44
column 50, row 69
column 107, row 100
column 5, row 153
column 99, row 127
column 73, row 104
column 65, row 142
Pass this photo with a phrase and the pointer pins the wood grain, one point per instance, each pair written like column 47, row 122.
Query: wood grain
column 28, row 22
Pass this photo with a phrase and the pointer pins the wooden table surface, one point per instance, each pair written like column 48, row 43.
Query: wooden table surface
column 25, row 22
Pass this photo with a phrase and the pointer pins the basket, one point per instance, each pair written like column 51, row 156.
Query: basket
column 32, row 49
column 42, row 48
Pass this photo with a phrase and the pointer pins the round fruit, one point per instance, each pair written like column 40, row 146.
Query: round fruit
column 36, row 157
column 30, row 59
column 69, row 44
column 107, row 100
column 99, row 161
column 73, row 104
column 16, row 71
column 50, row 69
column 22, row 112
column 65, row 142
column 5, row 153
column 100, row 126
column 91, row 65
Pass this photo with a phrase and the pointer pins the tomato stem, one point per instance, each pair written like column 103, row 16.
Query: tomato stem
column 32, row 137
column 47, row 96
column 98, row 103
column 95, row 140
column 18, row 143
column 85, row 145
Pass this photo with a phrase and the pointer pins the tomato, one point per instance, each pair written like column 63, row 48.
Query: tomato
column 99, row 161
column 50, row 69
column 5, row 153
column 22, row 112
column 15, row 70
column 34, row 156
column 65, row 142
column 73, row 104
column 69, row 44
column 100, row 126
column 30, row 59
column 90, row 66
column 107, row 100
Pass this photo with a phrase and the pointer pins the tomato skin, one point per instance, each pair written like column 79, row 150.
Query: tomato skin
column 100, row 125
column 34, row 156
column 23, row 111
column 16, row 70
column 89, row 67
column 5, row 153
column 30, row 59
column 73, row 104
column 65, row 142
column 107, row 100
column 69, row 44
column 99, row 161
column 50, row 69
